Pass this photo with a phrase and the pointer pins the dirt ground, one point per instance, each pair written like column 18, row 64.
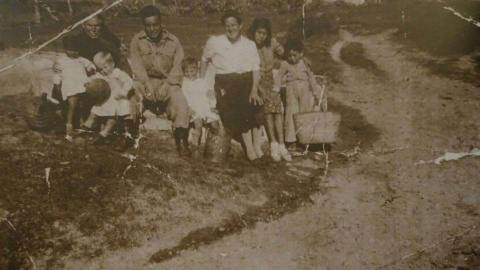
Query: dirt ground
column 369, row 209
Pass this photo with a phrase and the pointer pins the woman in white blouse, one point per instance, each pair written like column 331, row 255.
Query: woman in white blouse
column 237, row 74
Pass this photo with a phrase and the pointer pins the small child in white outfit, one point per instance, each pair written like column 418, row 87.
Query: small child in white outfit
column 116, row 107
column 70, row 75
column 196, row 92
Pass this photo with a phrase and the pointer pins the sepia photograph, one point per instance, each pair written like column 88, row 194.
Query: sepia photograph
column 240, row 134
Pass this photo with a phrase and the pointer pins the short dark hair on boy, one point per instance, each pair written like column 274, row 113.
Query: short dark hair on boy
column 293, row 45
column 231, row 14
column 68, row 43
column 189, row 61
column 150, row 11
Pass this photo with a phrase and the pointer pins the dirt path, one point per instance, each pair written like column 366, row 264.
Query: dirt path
column 372, row 209
column 379, row 207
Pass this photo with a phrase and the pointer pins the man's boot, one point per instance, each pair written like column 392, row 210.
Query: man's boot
column 177, row 136
column 186, row 150
column 131, row 132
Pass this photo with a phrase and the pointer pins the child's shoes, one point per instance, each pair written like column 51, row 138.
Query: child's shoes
column 258, row 150
column 274, row 151
column 69, row 138
column 284, row 152
column 69, row 130
column 186, row 152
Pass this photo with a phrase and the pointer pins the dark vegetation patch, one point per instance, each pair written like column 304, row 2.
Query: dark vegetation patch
column 426, row 24
column 286, row 193
column 366, row 19
column 469, row 8
column 421, row 25
column 438, row 31
column 447, row 68
column 321, row 32
column 355, row 125
column 462, row 252
column 93, row 198
column 83, row 191
column 353, row 54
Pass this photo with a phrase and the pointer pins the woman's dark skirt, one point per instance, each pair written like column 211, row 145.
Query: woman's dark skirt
column 232, row 92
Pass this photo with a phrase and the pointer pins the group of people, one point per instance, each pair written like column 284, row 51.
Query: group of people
column 247, row 93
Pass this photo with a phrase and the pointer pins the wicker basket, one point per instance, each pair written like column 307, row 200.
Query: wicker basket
column 317, row 127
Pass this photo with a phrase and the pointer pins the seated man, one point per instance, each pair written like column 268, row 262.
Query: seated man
column 156, row 57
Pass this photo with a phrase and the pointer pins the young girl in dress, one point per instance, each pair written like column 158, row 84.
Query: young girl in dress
column 70, row 80
column 268, row 48
column 300, row 97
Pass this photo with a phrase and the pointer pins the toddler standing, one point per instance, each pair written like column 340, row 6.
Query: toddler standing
column 196, row 92
column 116, row 107
column 300, row 96
column 70, row 80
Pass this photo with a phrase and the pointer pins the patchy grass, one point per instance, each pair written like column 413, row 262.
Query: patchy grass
column 96, row 203
column 448, row 68
column 353, row 54
column 427, row 25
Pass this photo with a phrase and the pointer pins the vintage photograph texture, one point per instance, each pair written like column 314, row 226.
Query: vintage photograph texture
column 239, row 134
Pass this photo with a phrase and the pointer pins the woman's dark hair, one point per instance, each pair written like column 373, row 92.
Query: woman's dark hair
column 293, row 44
column 261, row 23
column 150, row 11
column 231, row 14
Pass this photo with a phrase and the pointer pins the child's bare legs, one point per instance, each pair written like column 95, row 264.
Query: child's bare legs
column 257, row 141
column 248, row 142
column 92, row 118
column 73, row 103
column 282, row 150
column 106, row 130
column 278, row 122
column 197, row 131
column 270, row 127
column 291, row 108
column 109, row 125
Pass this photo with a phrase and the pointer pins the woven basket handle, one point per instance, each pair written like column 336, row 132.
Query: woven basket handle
column 319, row 107
column 313, row 85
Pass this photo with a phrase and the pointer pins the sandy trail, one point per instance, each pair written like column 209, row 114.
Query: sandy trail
column 379, row 207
